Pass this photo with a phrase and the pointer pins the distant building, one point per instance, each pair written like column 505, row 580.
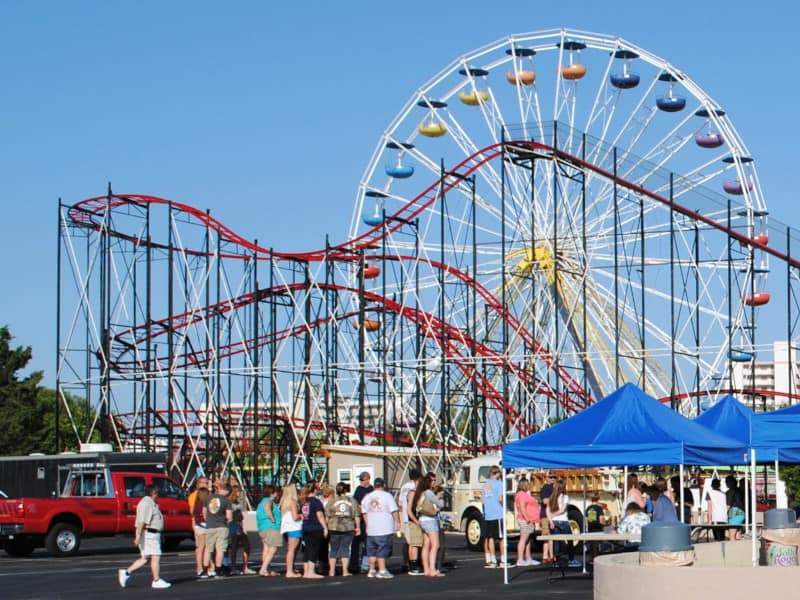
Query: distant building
column 781, row 375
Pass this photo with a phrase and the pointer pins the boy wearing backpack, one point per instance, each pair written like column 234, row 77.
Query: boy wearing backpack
column 344, row 516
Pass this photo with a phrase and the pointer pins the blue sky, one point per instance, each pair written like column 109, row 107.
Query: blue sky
column 267, row 113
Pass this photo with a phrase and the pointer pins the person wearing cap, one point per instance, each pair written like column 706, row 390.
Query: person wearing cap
column 544, row 497
column 382, row 516
column 363, row 488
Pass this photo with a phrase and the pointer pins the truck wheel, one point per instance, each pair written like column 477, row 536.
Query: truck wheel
column 63, row 539
column 19, row 547
column 473, row 531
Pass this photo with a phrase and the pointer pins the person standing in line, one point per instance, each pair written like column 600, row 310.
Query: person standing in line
column 291, row 525
column 557, row 514
column 527, row 512
column 428, row 505
column 717, row 510
column 202, row 484
column 416, row 538
column 218, row 513
column 410, row 552
column 196, row 502
column 382, row 516
column 199, row 523
column 268, row 523
column 358, row 559
column 149, row 525
column 315, row 529
column 492, row 499
column 440, row 554
column 238, row 534
column 734, row 498
column 544, row 522
column 344, row 522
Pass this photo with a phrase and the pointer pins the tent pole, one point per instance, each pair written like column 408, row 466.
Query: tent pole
column 624, row 490
column 680, row 494
column 585, row 524
column 505, row 533
column 753, row 554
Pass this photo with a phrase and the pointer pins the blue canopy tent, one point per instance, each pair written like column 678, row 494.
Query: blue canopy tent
column 774, row 435
column 728, row 417
column 778, row 430
column 627, row 427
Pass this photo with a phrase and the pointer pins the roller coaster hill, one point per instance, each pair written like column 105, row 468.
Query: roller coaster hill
column 520, row 246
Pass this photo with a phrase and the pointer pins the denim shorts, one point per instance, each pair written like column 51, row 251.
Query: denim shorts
column 379, row 546
column 340, row 542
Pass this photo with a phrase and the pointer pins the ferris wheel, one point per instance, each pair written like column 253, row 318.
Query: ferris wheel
column 548, row 217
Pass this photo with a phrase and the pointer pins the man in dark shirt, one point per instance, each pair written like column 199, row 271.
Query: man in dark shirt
column 544, row 497
column 595, row 514
column 359, row 542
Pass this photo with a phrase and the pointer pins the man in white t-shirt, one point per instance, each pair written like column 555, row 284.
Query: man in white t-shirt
column 383, row 519
column 149, row 525
column 413, row 539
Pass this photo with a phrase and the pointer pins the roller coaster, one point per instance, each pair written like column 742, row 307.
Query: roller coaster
column 507, row 265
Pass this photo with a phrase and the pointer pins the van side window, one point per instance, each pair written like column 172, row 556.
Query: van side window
column 483, row 474
column 464, row 475
column 134, row 487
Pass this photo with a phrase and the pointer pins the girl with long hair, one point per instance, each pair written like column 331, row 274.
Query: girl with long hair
column 425, row 496
column 291, row 526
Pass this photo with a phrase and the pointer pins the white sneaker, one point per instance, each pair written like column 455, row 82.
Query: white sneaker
column 160, row 584
column 122, row 577
column 372, row 574
column 384, row 575
column 533, row 562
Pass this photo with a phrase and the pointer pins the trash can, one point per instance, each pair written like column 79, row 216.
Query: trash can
column 666, row 544
column 780, row 538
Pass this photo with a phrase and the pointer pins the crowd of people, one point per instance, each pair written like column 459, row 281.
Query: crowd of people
column 354, row 532
column 322, row 528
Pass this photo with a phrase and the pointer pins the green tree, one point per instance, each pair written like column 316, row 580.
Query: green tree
column 791, row 476
column 20, row 418
column 27, row 410
column 70, row 438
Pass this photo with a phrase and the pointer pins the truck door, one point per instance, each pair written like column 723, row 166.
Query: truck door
column 173, row 504
column 130, row 494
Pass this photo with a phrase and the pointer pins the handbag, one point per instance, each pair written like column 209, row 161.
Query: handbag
column 426, row 508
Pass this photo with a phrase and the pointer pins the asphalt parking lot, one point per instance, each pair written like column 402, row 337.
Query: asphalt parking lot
column 93, row 574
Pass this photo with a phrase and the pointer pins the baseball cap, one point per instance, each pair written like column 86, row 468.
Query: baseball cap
column 378, row 482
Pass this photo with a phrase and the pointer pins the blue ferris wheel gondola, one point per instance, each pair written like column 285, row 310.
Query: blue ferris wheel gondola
column 376, row 218
column 671, row 104
column 625, row 81
column 400, row 171
column 740, row 356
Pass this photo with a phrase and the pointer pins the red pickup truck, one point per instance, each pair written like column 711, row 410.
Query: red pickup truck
column 95, row 501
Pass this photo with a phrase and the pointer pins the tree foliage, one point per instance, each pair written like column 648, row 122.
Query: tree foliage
column 27, row 410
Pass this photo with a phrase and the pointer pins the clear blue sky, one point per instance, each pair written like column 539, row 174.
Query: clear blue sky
column 266, row 113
